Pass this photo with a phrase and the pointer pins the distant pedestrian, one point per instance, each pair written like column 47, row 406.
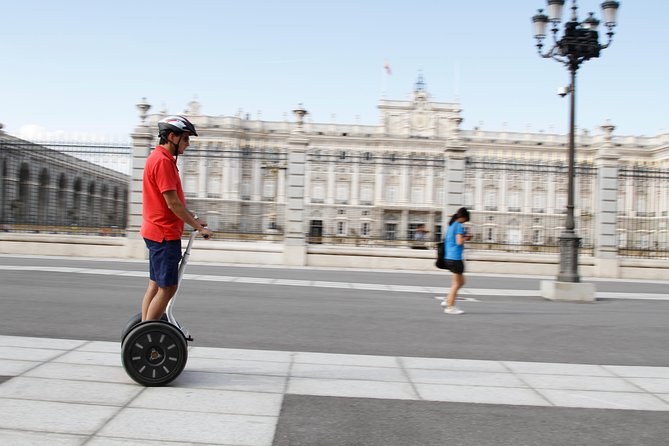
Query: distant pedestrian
column 420, row 237
column 453, row 253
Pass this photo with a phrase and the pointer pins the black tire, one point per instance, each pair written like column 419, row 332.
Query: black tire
column 134, row 320
column 154, row 353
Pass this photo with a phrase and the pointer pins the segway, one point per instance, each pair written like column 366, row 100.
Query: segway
column 154, row 352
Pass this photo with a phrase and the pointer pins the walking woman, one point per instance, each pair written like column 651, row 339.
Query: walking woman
column 454, row 247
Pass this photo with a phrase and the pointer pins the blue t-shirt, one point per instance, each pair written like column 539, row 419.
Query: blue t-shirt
column 453, row 251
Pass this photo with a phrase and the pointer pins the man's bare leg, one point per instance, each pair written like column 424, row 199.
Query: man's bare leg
column 151, row 291
column 158, row 304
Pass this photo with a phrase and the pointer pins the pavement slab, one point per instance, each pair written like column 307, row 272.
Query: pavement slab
column 76, row 392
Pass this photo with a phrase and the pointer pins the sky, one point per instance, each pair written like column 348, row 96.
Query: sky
column 76, row 68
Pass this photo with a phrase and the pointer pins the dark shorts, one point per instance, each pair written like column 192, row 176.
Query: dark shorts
column 455, row 266
column 164, row 261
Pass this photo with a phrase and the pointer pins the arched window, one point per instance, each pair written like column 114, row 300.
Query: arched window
column 43, row 197
column 23, row 196
column 104, row 206
column 115, row 215
column 91, row 216
column 61, row 200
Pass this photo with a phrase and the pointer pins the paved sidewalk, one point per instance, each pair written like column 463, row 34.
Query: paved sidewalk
column 71, row 392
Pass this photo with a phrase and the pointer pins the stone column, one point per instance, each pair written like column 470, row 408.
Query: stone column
column 295, row 247
column 142, row 138
column 454, row 180
column 606, row 212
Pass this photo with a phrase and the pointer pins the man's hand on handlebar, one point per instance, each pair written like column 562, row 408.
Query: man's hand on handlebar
column 205, row 232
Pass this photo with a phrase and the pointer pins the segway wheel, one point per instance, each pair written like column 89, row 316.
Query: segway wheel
column 154, row 353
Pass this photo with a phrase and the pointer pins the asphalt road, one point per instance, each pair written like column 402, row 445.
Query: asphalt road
column 299, row 318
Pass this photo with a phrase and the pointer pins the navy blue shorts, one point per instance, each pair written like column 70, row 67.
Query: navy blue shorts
column 164, row 261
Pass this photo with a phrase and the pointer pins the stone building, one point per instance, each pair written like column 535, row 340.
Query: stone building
column 43, row 187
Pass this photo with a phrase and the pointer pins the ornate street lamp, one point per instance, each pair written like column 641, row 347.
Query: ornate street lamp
column 579, row 42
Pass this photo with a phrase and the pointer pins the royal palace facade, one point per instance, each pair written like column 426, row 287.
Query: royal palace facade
column 376, row 184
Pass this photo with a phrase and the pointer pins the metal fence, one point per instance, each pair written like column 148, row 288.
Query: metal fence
column 356, row 198
column 240, row 192
column 520, row 206
column 643, row 217
column 373, row 198
column 63, row 187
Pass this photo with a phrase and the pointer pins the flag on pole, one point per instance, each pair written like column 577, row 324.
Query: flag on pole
column 386, row 66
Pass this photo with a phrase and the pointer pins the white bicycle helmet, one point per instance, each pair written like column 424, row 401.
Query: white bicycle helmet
column 177, row 124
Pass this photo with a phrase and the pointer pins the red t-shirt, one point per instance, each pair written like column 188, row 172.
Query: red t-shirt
column 160, row 175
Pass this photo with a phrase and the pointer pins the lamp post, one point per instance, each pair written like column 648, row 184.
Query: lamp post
column 579, row 42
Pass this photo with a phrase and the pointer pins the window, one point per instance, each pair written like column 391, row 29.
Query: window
column 342, row 193
column 561, row 202
column 539, row 201
column 514, row 201
column 439, row 195
column 366, row 193
column 190, row 186
column 365, row 229
column 269, row 189
column 622, row 240
column 469, row 199
column 490, row 199
column 417, row 195
column 318, row 192
column 341, row 228
column 391, row 231
column 537, row 237
column 246, row 191
column 644, row 241
column 316, row 228
column 214, row 187
column 391, row 194
column 640, row 203
column 23, row 195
